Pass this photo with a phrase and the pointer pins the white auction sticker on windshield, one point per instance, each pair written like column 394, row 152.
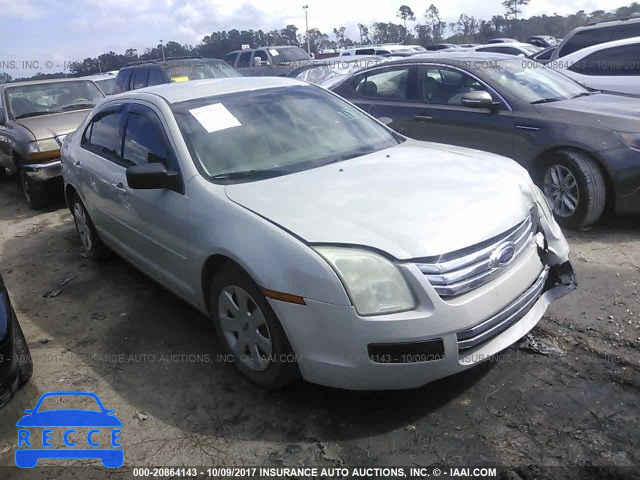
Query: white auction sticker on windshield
column 215, row 117
column 274, row 52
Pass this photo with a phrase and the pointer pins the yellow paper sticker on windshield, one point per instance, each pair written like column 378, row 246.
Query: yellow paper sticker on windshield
column 180, row 79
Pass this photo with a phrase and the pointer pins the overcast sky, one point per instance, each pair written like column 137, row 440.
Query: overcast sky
column 54, row 31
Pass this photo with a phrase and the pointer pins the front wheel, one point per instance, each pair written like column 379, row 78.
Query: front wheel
column 574, row 184
column 250, row 331
column 35, row 193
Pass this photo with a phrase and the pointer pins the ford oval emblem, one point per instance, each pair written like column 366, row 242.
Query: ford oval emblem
column 502, row 255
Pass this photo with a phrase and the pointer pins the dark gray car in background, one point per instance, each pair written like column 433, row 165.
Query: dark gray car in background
column 581, row 147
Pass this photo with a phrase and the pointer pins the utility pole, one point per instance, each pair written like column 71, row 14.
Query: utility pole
column 306, row 19
column 162, row 48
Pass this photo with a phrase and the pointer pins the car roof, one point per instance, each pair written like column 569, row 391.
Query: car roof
column 505, row 44
column 99, row 76
column 263, row 48
column 458, row 55
column 183, row 91
column 602, row 46
column 37, row 82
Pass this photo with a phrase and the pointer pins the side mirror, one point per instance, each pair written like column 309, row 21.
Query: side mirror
column 150, row 176
column 479, row 99
column 386, row 120
column 257, row 62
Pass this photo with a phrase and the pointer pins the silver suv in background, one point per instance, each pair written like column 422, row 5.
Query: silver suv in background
column 595, row 33
column 35, row 117
column 610, row 67
column 268, row 61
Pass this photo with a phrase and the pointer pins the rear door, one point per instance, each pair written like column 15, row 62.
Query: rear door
column 101, row 171
column 386, row 92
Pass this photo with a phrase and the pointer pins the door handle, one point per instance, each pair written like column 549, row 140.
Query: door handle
column 120, row 188
column 77, row 164
column 423, row 117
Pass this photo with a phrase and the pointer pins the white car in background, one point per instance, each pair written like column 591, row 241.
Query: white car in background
column 385, row 49
column 611, row 66
column 516, row 49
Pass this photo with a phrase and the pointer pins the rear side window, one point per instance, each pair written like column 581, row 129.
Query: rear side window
column 144, row 139
column 140, row 78
column 365, row 51
column 615, row 61
column 156, row 77
column 102, row 136
column 595, row 36
column 391, row 84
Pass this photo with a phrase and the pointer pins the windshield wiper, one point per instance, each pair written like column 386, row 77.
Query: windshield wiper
column 31, row 114
column 77, row 106
column 546, row 100
column 583, row 94
column 240, row 174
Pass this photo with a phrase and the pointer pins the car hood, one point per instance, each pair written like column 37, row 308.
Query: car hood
column 414, row 200
column 619, row 112
column 69, row 418
column 47, row 126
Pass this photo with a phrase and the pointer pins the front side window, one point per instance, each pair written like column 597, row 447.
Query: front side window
column 387, row 84
column 51, row 97
column 441, row 85
column 144, row 139
column 102, row 136
column 262, row 133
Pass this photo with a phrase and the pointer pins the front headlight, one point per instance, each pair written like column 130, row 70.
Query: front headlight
column 631, row 139
column 374, row 284
column 42, row 146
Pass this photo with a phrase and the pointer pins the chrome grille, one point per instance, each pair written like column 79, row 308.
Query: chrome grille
column 498, row 323
column 459, row 272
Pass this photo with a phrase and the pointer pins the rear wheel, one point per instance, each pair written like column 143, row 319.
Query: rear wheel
column 575, row 185
column 92, row 244
column 249, row 329
column 35, row 193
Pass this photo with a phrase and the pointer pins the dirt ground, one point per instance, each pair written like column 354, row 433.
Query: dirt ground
column 152, row 358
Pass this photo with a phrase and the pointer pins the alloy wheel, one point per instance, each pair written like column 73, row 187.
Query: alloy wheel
column 82, row 226
column 561, row 187
column 245, row 328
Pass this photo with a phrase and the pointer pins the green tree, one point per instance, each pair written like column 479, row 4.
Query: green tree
column 512, row 7
column 405, row 13
column 435, row 25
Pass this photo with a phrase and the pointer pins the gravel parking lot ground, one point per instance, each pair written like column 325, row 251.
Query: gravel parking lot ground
column 152, row 358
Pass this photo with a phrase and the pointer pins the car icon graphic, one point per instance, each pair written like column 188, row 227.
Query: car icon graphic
column 68, row 420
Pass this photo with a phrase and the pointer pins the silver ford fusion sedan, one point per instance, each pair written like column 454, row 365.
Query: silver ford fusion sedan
column 320, row 242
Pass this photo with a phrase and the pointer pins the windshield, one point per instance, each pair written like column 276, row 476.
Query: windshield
column 51, row 97
column 261, row 133
column 533, row 85
column 199, row 71
column 107, row 85
column 292, row 54
column 322, row 73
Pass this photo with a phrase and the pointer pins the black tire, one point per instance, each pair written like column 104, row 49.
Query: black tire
column 35, row 193
column 25, row 363
column 92, row 245
column 282, row 368
column 590, row 184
